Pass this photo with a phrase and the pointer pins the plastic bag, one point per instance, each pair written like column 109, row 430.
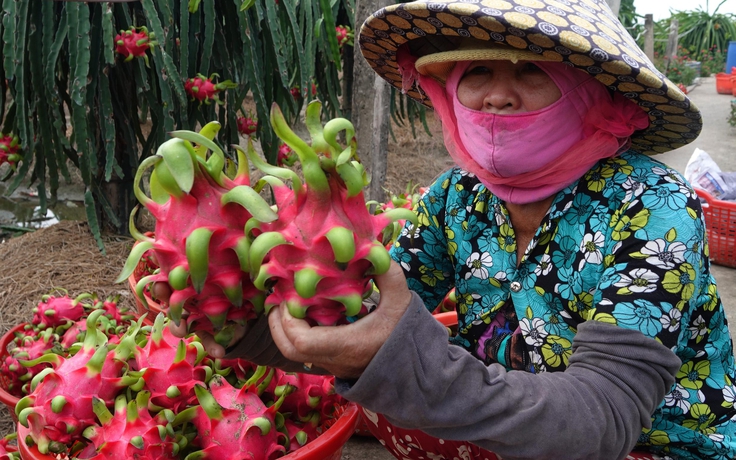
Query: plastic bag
column 702, row 172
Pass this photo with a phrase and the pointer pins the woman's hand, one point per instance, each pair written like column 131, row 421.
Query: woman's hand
column 162, row 292
column 345, row 351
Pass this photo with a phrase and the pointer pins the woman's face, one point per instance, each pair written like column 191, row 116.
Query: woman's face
column 503, row 87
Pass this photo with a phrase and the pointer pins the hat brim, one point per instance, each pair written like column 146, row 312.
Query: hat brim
column 582, row 33
column 439, row 65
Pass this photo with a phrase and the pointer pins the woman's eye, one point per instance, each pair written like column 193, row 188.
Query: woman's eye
column 531, row 67
column 478, row 70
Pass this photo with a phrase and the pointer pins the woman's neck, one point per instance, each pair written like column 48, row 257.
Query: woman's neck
column 526, row 219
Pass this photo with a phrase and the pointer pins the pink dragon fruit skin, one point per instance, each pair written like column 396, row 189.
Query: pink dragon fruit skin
column 170, row 367
column 234, row 424
column 130, row 433
column 321, row 252
column 199, row 242
column 59, row 406
column 299, row 433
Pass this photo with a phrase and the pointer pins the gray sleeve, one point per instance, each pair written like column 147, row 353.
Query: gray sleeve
column 258, row 347
column 615, row 380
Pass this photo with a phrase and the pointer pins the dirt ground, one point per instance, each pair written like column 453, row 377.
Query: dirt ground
column 65, row 255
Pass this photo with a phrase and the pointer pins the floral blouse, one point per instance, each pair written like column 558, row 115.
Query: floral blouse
column 625, row 245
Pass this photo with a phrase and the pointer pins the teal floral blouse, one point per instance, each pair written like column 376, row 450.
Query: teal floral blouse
column 625, row 245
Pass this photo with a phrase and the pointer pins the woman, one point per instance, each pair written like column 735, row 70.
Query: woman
column 589, row 324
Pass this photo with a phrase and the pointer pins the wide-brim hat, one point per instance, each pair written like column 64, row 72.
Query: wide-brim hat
column 582, row 33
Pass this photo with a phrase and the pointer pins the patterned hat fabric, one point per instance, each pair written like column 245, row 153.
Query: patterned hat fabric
column 581, row 33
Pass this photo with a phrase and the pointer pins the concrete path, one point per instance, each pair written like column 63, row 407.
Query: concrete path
column 718, row 138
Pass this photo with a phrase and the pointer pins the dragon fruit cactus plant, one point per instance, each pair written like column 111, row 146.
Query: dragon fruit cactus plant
column 9, row 150
column 204, row 90
column 199, row 241
column 134, row 42
column 321, row 252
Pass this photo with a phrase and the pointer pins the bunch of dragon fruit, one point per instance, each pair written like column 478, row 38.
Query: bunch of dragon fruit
column 9, row 150
column 134, row 42
column 297, row 92
column 199, row 242
column 155, row 396
column 204, row 90
column 58, row 323
column 247, row 125
column 321, row 251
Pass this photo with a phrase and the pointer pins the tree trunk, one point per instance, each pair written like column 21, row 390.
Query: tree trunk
column 369, row 107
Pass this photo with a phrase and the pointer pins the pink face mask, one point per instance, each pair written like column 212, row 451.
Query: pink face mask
column 513, row 144
column 528, row 157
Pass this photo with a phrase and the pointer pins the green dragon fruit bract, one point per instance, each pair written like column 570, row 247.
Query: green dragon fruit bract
column 321, row 252
column 199, row 241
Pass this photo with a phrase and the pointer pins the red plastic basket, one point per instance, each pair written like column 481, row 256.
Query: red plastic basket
column 720, row 224
column 6, row 398
column 327, row 446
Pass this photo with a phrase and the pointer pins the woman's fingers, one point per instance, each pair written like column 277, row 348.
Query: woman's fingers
column 180, row 330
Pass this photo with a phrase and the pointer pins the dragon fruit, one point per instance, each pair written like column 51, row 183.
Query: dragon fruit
column 305, row 395
column 9, row 150
column 131, row 432
column 7, row 452
column 60, row 406
column 134, row 42
column 344, row 35
column 170, row 367
column 234, row 423
column 247, row 125
column 204, row 90
column 54, row 311
column 299, row 433
column 199, row 241
column 285, row 156
column 321, row 252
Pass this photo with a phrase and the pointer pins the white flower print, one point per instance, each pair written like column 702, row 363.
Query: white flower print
column 591, row 247
column 478, row 265
column 633, row 188
column 661, row 256
column 544, row 267
column 533, row 331
column 699, row 328
column 729, row 394
column 639, row 280
column 671, row 320
column 678, row 398
column 463, row 453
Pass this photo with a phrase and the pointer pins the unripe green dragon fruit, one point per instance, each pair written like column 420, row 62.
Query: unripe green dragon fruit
column 321, row 252
column 199, row 241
